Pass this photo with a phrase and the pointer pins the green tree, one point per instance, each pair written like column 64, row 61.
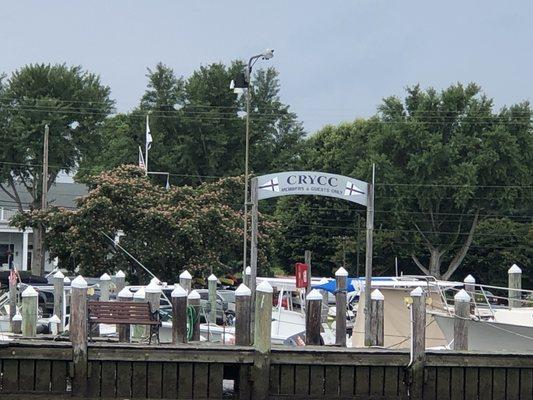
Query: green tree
column 73, row 103
column 167, row 230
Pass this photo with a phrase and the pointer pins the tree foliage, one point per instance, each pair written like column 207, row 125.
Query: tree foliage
column 198, row 229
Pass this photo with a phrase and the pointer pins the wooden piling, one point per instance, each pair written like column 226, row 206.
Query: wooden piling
column 313, row 311
column 124, row 329
column 120, row 281
column 59, row 297
column 54, row 322
column 307, row 261
column 193, row 301
column 243, row 302
column 153, row 295
column 29, row 312
column 325, row 301
column 105, row 282
column 262, row 340
column 515, row 286
column 139, row 331
column 16, row 324
column 470, row 287
column 341, row 277
column 212, row 287
column 378, row 318
column 462, row 316
column 418, row 343
column 12, row 298
column 186, row 281
column 247, row 276
column 179, row 314
column 78, row 335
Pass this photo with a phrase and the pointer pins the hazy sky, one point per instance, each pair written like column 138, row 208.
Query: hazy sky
column 337, row 59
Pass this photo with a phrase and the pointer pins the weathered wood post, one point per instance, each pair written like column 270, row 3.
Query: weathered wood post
column 212, row 287
column 120, row 281
column 105, row 282
column 470, row 287
column 54, row 322
column 139, row 330
column 515, row 286
column 66, row 298
column 12, row 297
column 16, row 323
column 460, row 324
column 186, row 281
column 59, row 297
column 179, row 314
column 78, row 334
column 124, row 329
column 193, row 301
column 325, row 301
column 247, row 275
column 29, row 312
column 243, row 302
column 418, row 342
column 378, row 318
column 313, row 311
column 262, row 340
column 341, row 277
column 153, row 295
column 307, row 261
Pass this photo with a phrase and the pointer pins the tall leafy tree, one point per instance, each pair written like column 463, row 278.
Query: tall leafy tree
column 73, row 102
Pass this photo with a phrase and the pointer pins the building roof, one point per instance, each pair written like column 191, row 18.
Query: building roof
column 61, row 194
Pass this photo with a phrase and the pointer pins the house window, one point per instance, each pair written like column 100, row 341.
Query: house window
column 7, row 252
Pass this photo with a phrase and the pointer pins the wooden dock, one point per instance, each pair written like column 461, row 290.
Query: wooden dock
column 45, row 369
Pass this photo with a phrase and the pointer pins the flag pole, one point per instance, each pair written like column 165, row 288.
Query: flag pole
column 146, row 143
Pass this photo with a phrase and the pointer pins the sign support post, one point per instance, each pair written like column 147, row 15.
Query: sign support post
column 253, row 250
column 368, row 257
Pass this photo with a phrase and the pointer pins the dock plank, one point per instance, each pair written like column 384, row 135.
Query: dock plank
column 154, row 374
column 390, row 383
column 10, row 376
column 316, row 380
column 274, row 379
column 138, row 379
column 332, row 381
column 471, row 382
column 457, row 383
column 286, row 386
column 124, row 373
column 170, row 380
column 301, row 385
column 27, row 375
column 513, row 384
column 443, row 383
column 109, row 379
column 485, row 383
column 185, row 371
column 43, row 370
column 377, row 381
column 499, row 383
column 347, row 381
column 201, row 380
column 526, row 383
column 59, row 376
column 362, row 380
column 216, row 377
column 430, row 384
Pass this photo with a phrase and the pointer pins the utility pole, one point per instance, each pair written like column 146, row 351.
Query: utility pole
column 38, row 263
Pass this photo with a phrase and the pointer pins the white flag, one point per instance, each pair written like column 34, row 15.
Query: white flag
column 148, row 135
column 141, row 159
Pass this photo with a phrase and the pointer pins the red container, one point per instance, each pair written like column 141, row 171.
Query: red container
column 301, row 275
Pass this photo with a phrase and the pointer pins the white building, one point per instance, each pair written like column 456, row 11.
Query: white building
column 16, row 246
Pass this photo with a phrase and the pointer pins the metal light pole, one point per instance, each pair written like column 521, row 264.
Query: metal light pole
column 268, row 54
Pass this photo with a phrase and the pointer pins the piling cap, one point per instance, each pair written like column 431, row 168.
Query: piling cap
column 323, row 281
column 120, row 274
column 29, row 292
column 377, row 295
column 212, row 278
column 79, row 283
column 17, row 317
column 54, row 319
column 248, row 270
column 265, row 287
column 66, row 280
column 314, row 295
column 178, row 291
column 462, row 295
column 341, row 272
column 125, row 294
column 59, row 275
column 416, row 292
column 155, row 281
column 515, row 269
column 153, row 287
column 185, row 275
column 469, row 279
column 105, row 277
column 194, row 295
column 243, row 290
column 139, row 294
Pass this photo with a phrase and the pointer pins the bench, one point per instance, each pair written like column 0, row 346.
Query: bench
column 123, row 312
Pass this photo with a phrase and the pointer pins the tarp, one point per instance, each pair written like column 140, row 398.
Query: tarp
column 352, row 284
